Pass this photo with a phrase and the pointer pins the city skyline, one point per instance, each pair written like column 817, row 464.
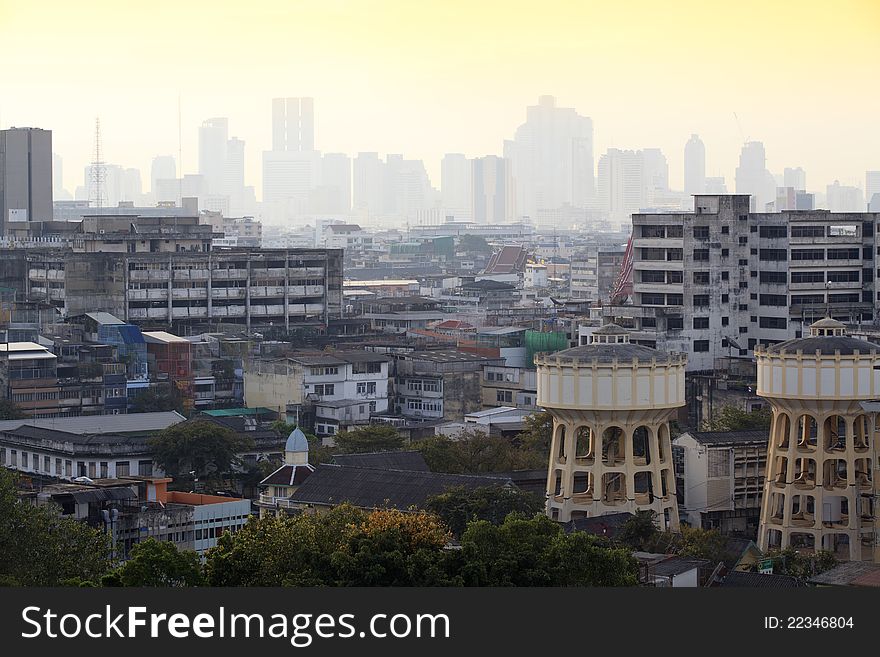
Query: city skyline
column 384, row 73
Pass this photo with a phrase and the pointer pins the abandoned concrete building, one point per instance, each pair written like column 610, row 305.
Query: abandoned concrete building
column 718, row 281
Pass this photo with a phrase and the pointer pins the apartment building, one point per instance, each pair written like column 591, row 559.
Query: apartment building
column 715, row 282
column 133, row 509
column 509, row 386
column 722, row 478
column 29, row 378
column 329, row 392
column 163, row 271
column 439, row 385
column 584, row 274
column 105, row 446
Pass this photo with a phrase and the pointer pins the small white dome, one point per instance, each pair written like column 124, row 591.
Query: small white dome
column 296, row 442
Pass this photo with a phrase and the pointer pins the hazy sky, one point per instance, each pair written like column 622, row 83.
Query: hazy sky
column 425, row 77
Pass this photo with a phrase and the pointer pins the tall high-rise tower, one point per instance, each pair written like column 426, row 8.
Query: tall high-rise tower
column 25, row 176
column 213, row 138
column 551, row 158
column 293, row 124
column 694, row 166
column 753, row 178
column 611, row 403
column 820, row 491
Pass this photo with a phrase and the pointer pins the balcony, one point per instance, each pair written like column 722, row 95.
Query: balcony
column 228, row 274
column 228, row 292
column 228, row 311
column 189, row 293
column 183, row 313
column 270, row 272
column 281, row 502
column 191, row 274
column 144, row 295
column 149, row 275
column 263, row 291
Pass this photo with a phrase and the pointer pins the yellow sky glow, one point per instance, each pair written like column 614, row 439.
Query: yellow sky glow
column 427, row 77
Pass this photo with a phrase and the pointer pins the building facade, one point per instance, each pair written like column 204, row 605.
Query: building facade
column 716, row 282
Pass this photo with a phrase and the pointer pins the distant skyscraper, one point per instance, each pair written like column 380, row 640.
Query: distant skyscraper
column 119, row 184
column 293, row 124
column 407, row 188
column 335, row 188
column 164, row 167
column 752, row 176
column 494, row 198
column 843, row 198
column 233, row 177
column 367, row 181
column 25, row 176
column 872, row 190
column 716, row 185
column 656, row 172
column 456, row 192
column 694, row 166
column 290, row 176
column 551, row 158
column 795, row 178
column 621, row 183
column 292, row 169
column 213, row 137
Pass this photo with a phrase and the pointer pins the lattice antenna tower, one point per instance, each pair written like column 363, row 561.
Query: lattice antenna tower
column 98, row 172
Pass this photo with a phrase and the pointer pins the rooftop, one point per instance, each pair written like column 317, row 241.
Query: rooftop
column 737, row 579
column 163, row 337
column 104, row 318
column 729, row 437
column 446, row 356
column 607, row 353
column 402, row 460
column 371, row 488
column 289, row 475
column 130, row 423
column 850, row 573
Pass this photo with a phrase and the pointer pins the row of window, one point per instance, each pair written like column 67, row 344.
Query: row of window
column 424, row 385
column 667, row 277
column 424, row 405
column 64, row 468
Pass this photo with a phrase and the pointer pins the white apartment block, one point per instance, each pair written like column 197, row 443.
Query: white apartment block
column 715, row 282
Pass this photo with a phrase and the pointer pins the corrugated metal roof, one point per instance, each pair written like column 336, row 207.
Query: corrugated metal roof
column 101, row 424
column 104, row 318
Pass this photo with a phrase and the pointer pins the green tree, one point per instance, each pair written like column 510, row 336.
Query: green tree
column 39, row 547
column 803, row 566
column 474, row 244
column 9, row 410
column 536, row 552
column 370, row 438
column 201, row 446
column 458, row 506
column 701, row 543
column 151, row 400
column 639, row 532
column 341, row 547
column 282, row 550
column 159, row 564
column 537, row 435
column 473, row 452
column 731, row 418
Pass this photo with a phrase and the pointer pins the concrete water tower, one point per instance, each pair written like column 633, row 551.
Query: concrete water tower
column 819, row 492
column 611, row 403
